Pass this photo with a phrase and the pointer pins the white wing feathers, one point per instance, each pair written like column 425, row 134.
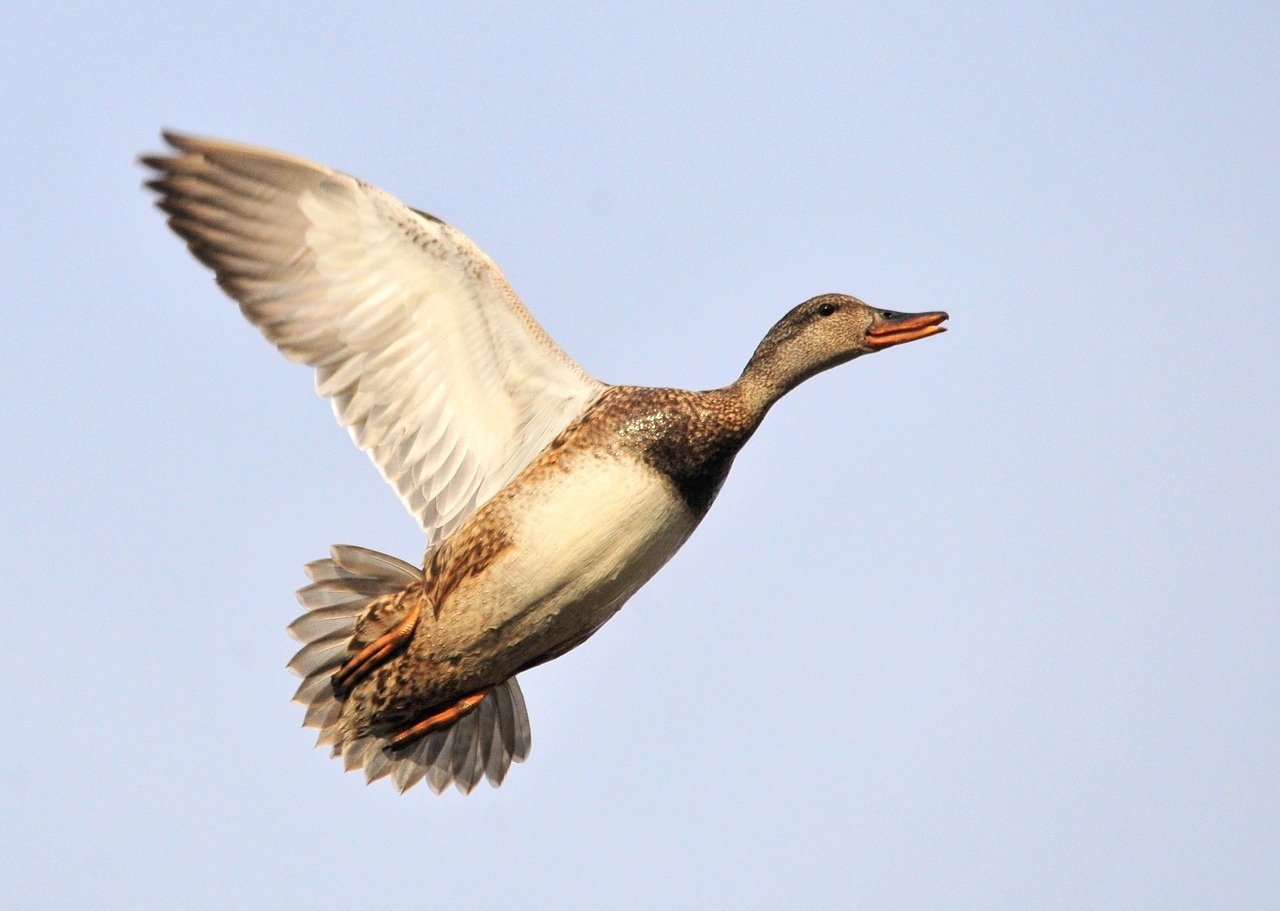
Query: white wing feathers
column 433, row 364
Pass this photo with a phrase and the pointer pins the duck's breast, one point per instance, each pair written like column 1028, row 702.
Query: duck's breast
column 582, row 533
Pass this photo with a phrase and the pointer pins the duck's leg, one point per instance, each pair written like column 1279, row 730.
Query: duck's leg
column 367, row 660
column 463, row 706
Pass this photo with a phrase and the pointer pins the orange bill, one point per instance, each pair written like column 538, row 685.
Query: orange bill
column 890, row 328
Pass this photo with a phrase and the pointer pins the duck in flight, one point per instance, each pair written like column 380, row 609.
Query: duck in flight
column 547, row 497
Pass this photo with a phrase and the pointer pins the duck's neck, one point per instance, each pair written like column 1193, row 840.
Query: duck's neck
column 767, row 377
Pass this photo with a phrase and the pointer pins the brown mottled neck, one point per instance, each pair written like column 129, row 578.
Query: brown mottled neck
column 768, row 376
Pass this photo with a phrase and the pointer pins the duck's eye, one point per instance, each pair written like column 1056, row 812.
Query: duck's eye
column 827, row 309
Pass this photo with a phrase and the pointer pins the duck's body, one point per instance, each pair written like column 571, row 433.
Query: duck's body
column 549, row 498
column 541, row 566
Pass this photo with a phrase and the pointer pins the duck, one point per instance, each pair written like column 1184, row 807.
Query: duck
column 547, row 497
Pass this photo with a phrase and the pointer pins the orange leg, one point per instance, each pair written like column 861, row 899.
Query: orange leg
column 464, row 706
column 375, row 653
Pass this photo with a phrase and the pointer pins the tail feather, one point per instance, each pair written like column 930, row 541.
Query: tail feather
column 321, row 656
column 467, row 768
column 482, row 744
column 341, row 592
column 322, row 713
column 405, row 775
column 380, row 765
column 360, row 562
column 486, row 723
column 311, row 689
column 324, row 621
column 520, row 725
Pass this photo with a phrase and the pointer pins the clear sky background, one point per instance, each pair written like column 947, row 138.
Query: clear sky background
column 988, row 621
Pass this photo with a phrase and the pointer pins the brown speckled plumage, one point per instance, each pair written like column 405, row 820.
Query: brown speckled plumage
column 459, row 558
column 690, row 438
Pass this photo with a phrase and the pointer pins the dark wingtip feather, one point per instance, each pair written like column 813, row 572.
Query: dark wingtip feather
column 155, row 162
column 166, row 203
column 177, row 140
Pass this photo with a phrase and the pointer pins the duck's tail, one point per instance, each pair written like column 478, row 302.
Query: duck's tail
column 482, row 743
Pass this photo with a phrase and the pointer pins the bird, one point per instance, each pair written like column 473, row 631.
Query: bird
column 547, row 497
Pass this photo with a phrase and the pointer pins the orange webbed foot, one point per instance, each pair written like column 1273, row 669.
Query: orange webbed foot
column 369, row 658
column 435, row 722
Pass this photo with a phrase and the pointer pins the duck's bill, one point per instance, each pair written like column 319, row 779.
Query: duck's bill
column 891, row 328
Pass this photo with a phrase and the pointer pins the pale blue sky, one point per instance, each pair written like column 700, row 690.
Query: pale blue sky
column 988, row 621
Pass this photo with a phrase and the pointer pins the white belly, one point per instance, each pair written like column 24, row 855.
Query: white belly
column 583, row 542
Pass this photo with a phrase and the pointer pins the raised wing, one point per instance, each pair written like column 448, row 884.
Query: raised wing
column 433, row 364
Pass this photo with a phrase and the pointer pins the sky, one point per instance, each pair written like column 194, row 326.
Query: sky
column 987, row 621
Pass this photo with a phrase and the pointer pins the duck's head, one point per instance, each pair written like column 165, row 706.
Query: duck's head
column 826, row 331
